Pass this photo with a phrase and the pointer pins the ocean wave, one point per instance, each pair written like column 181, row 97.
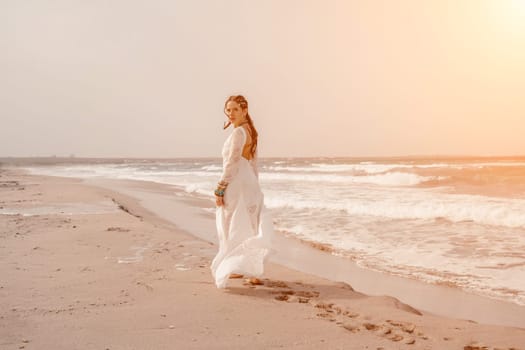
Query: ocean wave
column 377, row 168
column 338, row 168
column 429, row 260
column 200, row 188
column 212, row 167
column 455, row 208
column 388, row 179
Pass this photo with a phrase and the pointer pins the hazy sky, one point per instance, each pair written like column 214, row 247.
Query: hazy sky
column 122, row 78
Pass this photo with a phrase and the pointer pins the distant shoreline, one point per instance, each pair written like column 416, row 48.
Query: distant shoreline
column 106, row 160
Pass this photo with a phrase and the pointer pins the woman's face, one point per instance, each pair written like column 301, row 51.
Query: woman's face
column 235, row 113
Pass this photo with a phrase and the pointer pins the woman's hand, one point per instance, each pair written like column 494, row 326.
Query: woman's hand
column 219, row 201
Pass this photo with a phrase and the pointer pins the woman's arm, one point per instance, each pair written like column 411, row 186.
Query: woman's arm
column 231, row 163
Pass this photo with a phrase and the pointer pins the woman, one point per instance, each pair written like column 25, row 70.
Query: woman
column 243, row 226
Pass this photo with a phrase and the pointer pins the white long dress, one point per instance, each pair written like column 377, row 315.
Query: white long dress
column 244, row 226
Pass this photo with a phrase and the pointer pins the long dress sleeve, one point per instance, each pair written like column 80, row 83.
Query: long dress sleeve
column 231, row 161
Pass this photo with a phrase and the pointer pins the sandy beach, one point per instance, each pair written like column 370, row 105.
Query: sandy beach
column 88, row 265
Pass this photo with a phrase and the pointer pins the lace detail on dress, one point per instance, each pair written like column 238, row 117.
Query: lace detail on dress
column 252, row 208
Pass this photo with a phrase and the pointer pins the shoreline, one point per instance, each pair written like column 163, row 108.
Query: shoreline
column 312, row 258
column 166, row 288
column 301, row 256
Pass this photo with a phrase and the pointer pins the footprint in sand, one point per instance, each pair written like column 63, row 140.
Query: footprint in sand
column 392, row 330
column 148, row 287
column 283, row 292
column 351, row 327
column 371, row 326
column 326, row 316
column 386, row 331
column 282, row 297
column 395, row 337
column 475, row 346
column 350, row 314
column 325, row 306
column 406, row 327
column 307, row 294
column 254, row 281
column 410, row 341
column 117, row 229
column 275, row 284
column 290, row 295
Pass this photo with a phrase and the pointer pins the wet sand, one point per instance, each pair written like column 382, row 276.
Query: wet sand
column 126, row 266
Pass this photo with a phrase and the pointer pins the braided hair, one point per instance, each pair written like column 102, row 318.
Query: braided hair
column 244, row 105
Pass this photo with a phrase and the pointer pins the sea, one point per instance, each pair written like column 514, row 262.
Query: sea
column 456, row 221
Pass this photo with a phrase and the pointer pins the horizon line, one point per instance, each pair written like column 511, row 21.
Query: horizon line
column 267, row 157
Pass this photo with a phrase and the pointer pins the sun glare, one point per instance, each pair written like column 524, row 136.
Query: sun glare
column 518, row 5
column 512, row 15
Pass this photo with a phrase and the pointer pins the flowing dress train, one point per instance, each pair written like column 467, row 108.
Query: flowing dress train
column 244, row 226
